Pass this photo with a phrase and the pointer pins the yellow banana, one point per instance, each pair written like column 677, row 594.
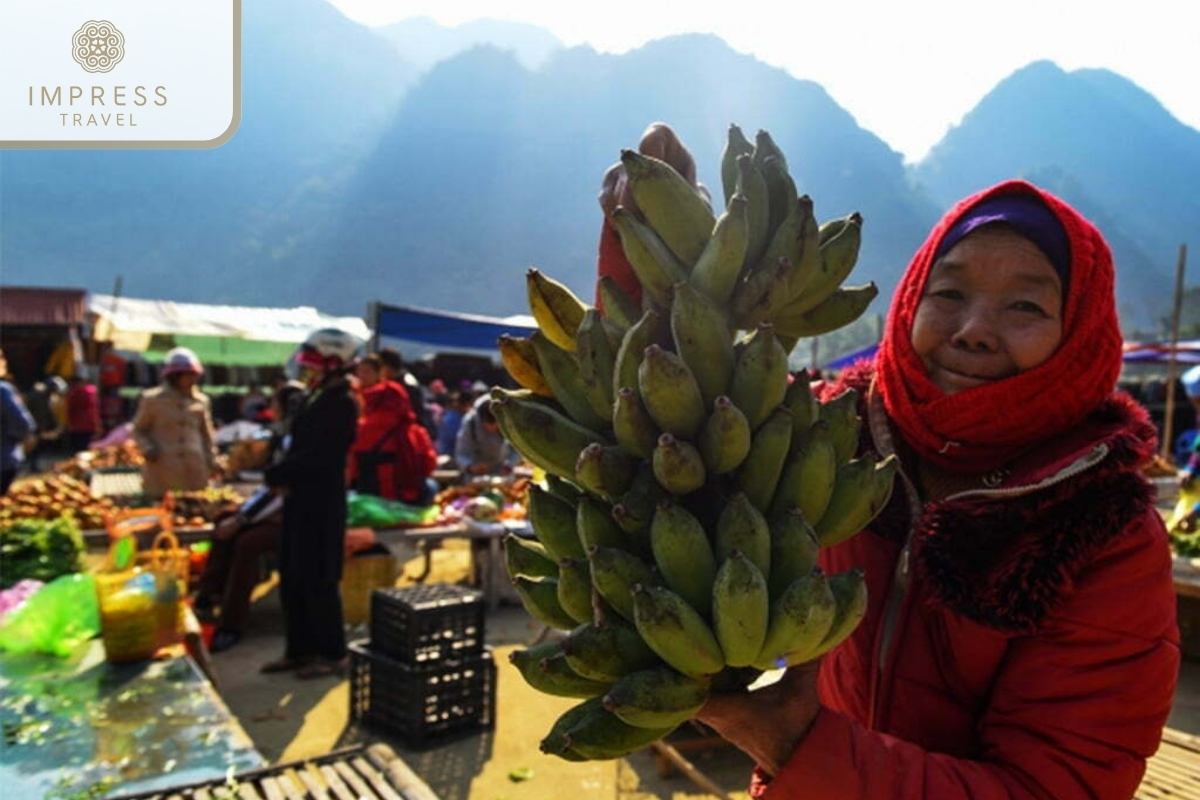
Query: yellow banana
column 544, row 436
column 606, row 472
column 842, row 307
column 658, row 697
column 683, row 555
column 808, row 475
column 759, row 473
column 850, row 595
column 540, row 598
column 545, row 668
column 759, row 381
column 561, row 371
column 596, row 356
column 596, row 526
column 677, row 465
column 716, row 271
column 736, row 144
column 646, row 331
column 741, row 527
column 575, row 588
column 670, row 392
column 800, row 618
column 838, row 255
column 741, row 608
column 670, row 205
column 844, row 424
column 725, row 439
column 556, row 309
column 528, row 558
column 520, row 360
column 632, row 426
column 703, row 341
column 863, row 488
column 656, row 267
column 606, row 652
column 553, row 521
column 614, row 574
column 618, row 307
column 676, row 631
column 794, row 549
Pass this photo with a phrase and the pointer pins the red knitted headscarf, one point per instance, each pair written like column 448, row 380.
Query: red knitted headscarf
column 985, row 427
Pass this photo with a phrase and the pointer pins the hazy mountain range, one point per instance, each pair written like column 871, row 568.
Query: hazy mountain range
column 412, row 164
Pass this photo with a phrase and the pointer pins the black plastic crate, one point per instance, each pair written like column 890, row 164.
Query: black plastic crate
column 422, row 704
column 424, row 623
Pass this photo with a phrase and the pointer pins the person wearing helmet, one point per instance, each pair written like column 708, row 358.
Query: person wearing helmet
column 312, row 479
column 174, row 429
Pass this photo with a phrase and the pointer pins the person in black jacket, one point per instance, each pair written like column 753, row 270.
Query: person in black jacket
column 312, row 479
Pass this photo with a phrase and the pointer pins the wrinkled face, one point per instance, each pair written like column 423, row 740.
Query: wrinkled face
column 992, row 308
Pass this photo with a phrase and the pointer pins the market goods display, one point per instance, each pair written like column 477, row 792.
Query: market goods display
column 204, row 506
column 124, row 455
column 39, row 549
column 51, row 497
column 690, row 479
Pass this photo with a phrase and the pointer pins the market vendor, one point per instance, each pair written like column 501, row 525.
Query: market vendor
column 480, row 448
column 174, row 429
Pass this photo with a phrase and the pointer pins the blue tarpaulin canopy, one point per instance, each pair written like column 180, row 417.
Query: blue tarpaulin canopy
column 445, row 329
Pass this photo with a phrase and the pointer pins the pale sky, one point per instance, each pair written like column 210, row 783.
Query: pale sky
column 907, row 69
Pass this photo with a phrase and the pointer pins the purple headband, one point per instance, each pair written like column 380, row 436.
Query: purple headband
column 1029, row 216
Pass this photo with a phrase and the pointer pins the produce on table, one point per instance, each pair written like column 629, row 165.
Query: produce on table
column 50, row 498
column 125, row 454
column 39, row 549
column 204, row 506
column 690, row 480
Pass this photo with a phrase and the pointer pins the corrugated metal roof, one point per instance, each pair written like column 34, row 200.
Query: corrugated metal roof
column 30, row 305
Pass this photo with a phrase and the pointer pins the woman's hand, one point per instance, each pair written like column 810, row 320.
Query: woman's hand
column 767, row 724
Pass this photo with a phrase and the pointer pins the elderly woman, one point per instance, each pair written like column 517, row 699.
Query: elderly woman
column 173, row 427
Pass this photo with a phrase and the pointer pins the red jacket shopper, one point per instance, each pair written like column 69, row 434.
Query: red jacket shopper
column 1020, row 639
column 385, row 412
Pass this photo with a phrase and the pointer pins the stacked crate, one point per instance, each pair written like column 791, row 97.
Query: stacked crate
column 425, row 674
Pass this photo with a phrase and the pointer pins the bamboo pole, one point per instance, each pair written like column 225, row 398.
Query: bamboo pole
column 683, row 765
column 1169, row 412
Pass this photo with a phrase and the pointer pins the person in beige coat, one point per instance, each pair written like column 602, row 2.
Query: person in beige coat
column 173, row 427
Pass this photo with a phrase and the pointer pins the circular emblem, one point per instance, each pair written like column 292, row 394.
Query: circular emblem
column 98, row 46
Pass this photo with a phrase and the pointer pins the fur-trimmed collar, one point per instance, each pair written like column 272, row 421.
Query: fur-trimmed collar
column 1006, row 561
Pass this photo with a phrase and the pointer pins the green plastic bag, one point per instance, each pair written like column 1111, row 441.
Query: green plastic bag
column 55, row 620
column 367, row 510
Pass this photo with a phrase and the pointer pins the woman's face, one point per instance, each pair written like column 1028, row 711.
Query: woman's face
column 992, row 308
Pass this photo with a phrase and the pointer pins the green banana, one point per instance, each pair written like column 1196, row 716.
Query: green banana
column 863, row 488
column 781, row 189
column 606, row 652
column 740, row 609
column 844, row 423
column 803, row 404
column 619, row 308
column 632, row 426
column 656, row 267
column 544, row 436
column 645, row 332
column 658, row 697
column 561, row 370
column 742, row 528
column 794, row 549
column 520, row 360
column 683, row 555
column 553, row 521
column 545, row 668
column 528, row 558
column 702, row 340
column 562, row 488
column 842, row 307
column 765, row 148
column 670, row 205
column 575, row 588
column 606, row 472
column 540, row 598
column 638, row 504
column 800, row 618
column 838, row 255
column 614, row 574
column 759, row 381
column 736, row 144
column 725, row 439
column 753, row 187
column 556, row 309
column 762, row 293
column 600, row 735
column 676, row 631
column 808, row 475
column 555, row 742
column 670, row 392
column 807, row 268
column 596, row 355
column 833, row 227
column 716, row 271
column 677, row 465
column 596, row 526
column 850, row 595
column 759, row 473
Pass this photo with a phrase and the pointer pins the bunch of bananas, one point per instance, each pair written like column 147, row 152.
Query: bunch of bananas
column 690, row 482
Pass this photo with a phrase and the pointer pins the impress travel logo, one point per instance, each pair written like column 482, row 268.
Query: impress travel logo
column 119, row 74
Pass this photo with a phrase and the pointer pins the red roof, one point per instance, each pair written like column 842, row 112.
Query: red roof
column 27, row 305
